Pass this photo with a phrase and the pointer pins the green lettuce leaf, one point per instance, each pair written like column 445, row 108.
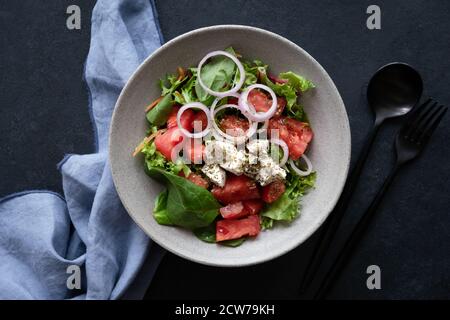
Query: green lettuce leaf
column 218, row 74
column 280, row 89
column 154, row 159
column 266, row 223
column 187, row 92
column 160, row 212
column 286, row 208
column 170, row 84
column 187, row 204
column 297, row 81
column 295, row 85
column 160, row 113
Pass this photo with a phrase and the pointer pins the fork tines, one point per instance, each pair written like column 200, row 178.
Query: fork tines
column 423, row 121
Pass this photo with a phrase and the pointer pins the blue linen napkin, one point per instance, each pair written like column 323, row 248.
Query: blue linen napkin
column 43, row 233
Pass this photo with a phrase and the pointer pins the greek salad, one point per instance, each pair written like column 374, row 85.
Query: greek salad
column 228, row 140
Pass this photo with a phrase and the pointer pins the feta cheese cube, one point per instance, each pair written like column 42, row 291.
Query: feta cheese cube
column 217, row 152
column 269, row 171
column 258, row 147
column 235, row 163
column 215, row 173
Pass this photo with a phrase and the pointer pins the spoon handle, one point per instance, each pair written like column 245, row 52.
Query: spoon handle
column 333, row 221
column 354, row 238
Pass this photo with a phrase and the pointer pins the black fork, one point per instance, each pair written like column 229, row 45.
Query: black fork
column 409, row 143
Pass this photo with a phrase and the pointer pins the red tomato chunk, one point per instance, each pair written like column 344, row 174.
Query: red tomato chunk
column 237, row 188
column 201, row 117
column 167, row 141
column 235, row 229
column 273, row 191
column 262, row 103
column 196, row 178
column 253, row 206
column 234, row 210
column 186, row 119
column 296, row 134
column 234, row 125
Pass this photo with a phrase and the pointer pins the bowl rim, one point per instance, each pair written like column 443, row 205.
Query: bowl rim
column 346, row 131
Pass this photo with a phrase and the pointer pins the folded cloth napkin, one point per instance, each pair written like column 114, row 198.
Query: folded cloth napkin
column 43, row 234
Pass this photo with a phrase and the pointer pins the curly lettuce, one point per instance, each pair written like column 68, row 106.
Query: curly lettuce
column 287, row 207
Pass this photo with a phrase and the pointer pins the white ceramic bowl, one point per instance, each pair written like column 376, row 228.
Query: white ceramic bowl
column 329, row 152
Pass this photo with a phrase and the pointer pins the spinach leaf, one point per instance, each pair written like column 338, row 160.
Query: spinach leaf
column 160, row 113
column 216, row 75
column 233, row 242
column 160, row 211
column 207, row 234
column 188, row 205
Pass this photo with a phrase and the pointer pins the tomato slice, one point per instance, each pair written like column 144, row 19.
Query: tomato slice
column 201, row 117
column 273, row 191
column 259, row 100
column 301, row 128
column 281, row 105
column 262, row 103
column 253, row 206
column 234, row 125
column 234, row 210
column 296, row 134
column 195, row 151
column 196, row 178
column 235, row 229
column 186, row 119
column 167, row 141
column 237, row 188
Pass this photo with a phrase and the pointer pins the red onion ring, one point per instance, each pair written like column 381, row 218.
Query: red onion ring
column 196, row 105
column 251, row 131
column 238, row 64
column 252, row 114
column 299, row 171
column 285, row 148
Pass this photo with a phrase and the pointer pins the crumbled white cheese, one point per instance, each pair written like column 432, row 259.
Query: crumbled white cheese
column 258, row 147
column 256, row 163
column 269, row 171
column 217, row 152
column 235, row 162
column 215, row 173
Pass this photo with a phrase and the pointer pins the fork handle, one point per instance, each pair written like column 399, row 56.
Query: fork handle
column 354, row 238
column 332, row 224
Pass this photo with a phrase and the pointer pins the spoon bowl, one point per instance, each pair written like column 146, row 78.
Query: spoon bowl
column 394, row 90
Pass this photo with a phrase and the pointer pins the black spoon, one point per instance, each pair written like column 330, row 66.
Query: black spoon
column 392, row 92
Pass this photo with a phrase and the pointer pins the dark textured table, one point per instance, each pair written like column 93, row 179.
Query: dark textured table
column 43, row 115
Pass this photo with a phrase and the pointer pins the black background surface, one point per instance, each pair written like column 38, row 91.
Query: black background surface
column 44, row 115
